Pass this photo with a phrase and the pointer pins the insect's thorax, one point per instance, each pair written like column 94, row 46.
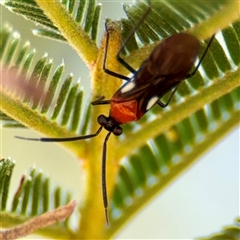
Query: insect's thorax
column 124, row 112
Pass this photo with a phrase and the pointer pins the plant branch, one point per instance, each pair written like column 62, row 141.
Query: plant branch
column 37, row 122
column 69, row 28
column 44, row 220
column 228, row 14
column 103, row 84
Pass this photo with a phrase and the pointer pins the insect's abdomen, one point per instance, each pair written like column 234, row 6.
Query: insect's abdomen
column 174, row 55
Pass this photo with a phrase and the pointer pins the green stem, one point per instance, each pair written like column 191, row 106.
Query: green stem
column 70, row 29
column 92, row 208
column 31, row 119
column 228, row 14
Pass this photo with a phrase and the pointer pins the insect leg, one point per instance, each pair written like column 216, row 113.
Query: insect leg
column 163, row 105
column 101, row 102
column 122, row 61
column 109, row 72
column 202, row 57
column 104, row 184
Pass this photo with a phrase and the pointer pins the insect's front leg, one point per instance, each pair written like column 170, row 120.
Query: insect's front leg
column 100, row 101
column 110, row 72
column 119, row 58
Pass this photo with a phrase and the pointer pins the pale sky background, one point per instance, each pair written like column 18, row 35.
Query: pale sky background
column 199, row 203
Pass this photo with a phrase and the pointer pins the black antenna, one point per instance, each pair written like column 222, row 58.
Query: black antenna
column 70, row 139
column 104, row 184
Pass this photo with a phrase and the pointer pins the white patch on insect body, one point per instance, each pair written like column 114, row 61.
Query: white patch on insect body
column 128, row 87
column 151, row 102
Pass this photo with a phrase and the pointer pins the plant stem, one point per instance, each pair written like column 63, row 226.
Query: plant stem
column 92, row 208
column 74, row 34
column 228, row 14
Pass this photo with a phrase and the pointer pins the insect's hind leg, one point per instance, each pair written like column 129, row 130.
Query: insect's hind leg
column 163, row 105
column 202, row 57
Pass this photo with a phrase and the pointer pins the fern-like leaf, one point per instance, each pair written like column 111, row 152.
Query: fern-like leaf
column 59, row 93
column 164, row 142
column 230, row 232
column 85, row 13
column 6, row 169
column 33, row 197
column 150, row 169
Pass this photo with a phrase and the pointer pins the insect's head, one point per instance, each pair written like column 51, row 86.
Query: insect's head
column 109, row 124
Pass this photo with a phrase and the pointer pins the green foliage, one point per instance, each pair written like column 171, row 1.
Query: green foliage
column 6, row 168
column 76, row 9
column 60, row 93
column 158, row 148
column 227, row 233
column 33, row 197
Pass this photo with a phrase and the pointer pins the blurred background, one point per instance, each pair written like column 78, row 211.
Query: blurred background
column 200, row 202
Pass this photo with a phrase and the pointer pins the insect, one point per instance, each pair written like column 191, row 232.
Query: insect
column 165, row 68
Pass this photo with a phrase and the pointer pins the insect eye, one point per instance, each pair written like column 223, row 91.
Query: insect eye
column 102, row 120
column 117, row 131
